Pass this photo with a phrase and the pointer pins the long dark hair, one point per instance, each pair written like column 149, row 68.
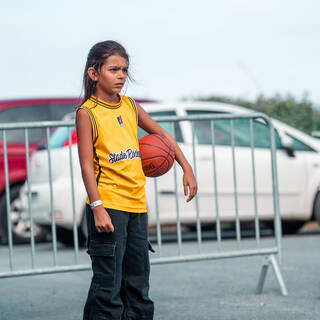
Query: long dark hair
column 96, row 58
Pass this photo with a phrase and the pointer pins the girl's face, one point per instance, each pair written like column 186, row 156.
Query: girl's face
column 112, row 76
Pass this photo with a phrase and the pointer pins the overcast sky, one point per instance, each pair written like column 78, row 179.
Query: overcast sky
column 178, row 49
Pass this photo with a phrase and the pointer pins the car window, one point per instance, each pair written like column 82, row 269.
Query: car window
column 165, row 125
column 203, row 128
column 241, row 130
column 261, row 134
column 299, row 145
column 59, row 137
column 25, row 114
column 43, row 112
column 58, row 111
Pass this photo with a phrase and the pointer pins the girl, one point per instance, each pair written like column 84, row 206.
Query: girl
column 106, row 124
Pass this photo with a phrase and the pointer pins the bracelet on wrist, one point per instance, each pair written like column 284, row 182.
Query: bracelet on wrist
column 95, row 204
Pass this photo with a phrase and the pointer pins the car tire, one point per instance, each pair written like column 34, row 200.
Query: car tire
column 288, row 226
column 19, row 221
column 65, row 236
column 84, row 227
column 316, row 208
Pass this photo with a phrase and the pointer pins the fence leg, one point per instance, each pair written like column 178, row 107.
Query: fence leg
column 278, row 275
column 263, row 275
column 271, row 260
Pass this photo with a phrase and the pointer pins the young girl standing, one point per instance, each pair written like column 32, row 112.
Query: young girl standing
column 106, row 124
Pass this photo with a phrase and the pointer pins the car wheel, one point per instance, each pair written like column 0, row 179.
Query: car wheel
column 84, row 227
column 288, row 226
column 316, row 208
column 291, row 227
column 21, row 231
column 66, row 236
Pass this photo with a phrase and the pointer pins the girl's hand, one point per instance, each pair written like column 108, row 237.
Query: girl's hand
column 102, row 220
column 189, row 181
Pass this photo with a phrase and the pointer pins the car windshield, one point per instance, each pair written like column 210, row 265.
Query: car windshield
column 241, row 131
column 45, row 112
column 60, row 137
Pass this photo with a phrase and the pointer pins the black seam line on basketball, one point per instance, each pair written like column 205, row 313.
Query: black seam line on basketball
column 156, row 169
column 169, row 146
column 159, row 167
column 164, row 141
column 94, row 124
column 168, row 154
column 165, row 159
column 134, row 107
column 154, row 157
column 148, row 144
column 100, row 169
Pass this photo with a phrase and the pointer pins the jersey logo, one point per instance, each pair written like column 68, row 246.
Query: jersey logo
column 120, row 121
column 129, row 154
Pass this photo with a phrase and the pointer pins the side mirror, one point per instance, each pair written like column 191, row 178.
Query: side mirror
column 287, row 145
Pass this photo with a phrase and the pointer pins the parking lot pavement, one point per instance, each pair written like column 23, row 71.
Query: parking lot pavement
column 219, row 289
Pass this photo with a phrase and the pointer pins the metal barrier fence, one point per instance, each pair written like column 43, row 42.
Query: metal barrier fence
column 270, row 252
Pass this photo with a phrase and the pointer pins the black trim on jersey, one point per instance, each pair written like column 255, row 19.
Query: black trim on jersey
column 100, row 169
column 105, row 105
column 134, row 106
column 93, row 122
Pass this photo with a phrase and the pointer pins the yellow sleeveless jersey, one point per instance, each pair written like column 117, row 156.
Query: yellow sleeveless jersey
column 117, row 163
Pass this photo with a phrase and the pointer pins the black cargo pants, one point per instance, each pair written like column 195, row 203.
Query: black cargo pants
column 120, row 263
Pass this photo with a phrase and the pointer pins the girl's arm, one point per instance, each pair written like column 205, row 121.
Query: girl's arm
column 149, row 125
column 85, row 151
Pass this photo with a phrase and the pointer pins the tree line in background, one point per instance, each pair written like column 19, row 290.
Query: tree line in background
column 300, row 114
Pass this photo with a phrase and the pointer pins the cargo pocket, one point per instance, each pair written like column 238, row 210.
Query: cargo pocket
column 103, row 262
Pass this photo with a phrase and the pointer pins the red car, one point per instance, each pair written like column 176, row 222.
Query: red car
column 24, row 111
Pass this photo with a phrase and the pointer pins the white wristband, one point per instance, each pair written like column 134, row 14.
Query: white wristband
column 95, row 204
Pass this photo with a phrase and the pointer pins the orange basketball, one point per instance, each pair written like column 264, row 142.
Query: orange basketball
column 157, row 155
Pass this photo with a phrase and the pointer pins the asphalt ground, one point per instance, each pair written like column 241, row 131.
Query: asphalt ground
column 216, row 289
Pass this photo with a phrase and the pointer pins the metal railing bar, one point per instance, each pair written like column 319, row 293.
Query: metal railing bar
column 53, row 219
column 53, row 124
column 276, row 205
column 158, row 224
column 26, row 135
column 214, row 164
column 190, row 258
column 256, row 217
column 198, row 224
column 75, row 227
column 41, row 271
column 7, row 188
column 238, row 231
column 177, row 199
